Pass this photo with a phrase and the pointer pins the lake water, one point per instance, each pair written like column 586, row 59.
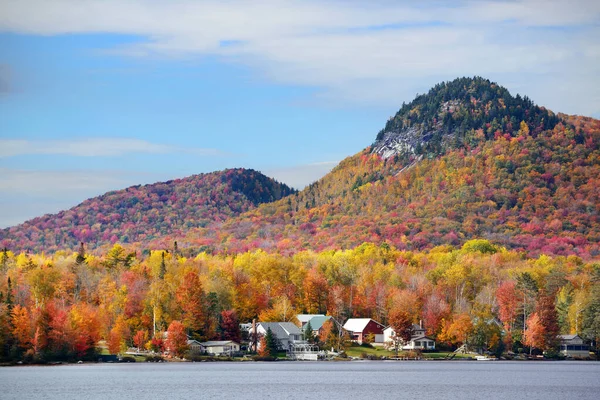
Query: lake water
column 306, row 380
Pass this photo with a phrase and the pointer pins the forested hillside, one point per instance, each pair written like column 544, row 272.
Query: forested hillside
column 142, row 213
column 60, row 306
column 525, row 188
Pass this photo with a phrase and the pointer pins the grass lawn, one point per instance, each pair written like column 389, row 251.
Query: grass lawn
column 356, row 351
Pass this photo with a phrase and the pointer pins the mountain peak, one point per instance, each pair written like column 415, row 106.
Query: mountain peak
column 457, row 113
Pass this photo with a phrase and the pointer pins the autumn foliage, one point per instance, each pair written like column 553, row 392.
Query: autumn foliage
column 462, row 295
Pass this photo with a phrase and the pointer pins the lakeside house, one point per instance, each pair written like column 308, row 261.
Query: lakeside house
column 573, row 346
column 360, row 328
column 220, row 347
column 195, row 347
column 418, row 341
column 286, row 333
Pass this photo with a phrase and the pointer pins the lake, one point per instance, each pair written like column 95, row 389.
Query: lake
column 306, row 380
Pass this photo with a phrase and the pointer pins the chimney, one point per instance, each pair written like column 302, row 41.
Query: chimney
column 421, row 323
column 254, row 335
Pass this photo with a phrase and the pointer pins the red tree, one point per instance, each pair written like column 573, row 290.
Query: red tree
column 230, row 325
column 534, row 335
column 192, row 301
column 177, row 339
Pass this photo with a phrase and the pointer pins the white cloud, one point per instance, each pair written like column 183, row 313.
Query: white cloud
column 300, row 176
column 359, row 51
column 94, row 147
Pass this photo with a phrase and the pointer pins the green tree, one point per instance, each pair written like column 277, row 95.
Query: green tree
column 163, row 266
column 309, row 335
column 80, row 254
column 271, row 342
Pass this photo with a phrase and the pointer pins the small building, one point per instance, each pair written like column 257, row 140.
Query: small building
column 194, row 346
column 573, row 346
column 420, row 342
column 220, row 347
column 360, row 328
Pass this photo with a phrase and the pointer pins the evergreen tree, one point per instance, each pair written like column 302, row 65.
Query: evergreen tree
column 163, row 267
column 308, row 333
column 9, row 300
column 81, row 254
column 175, row 250
column 3, row 259
column 271, row 342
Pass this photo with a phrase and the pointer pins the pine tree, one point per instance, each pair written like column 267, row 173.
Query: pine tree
column 308, row 333
column 9, row 300
column 81, row 254
column 175, row 250
column 271, row 342
column 163, row 267
column 3, row 259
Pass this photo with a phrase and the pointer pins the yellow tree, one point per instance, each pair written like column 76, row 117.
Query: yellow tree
column 281, row 311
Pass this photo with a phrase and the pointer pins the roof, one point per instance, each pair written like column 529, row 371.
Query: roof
column 303, row 318
column 213, row 343
column 420, row 337
column 568, row 337
column 192, row 342
column 317, row 321
column 358, row 324
column 281, row 330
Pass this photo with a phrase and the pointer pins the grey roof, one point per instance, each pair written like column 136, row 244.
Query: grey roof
column 281, row 330
column 211, row 343
column 317, row 321
column 192, row 341
column 420, row 337
column 303, row 318
column 568, row 337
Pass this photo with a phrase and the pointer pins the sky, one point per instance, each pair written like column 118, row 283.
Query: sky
column 101, row 95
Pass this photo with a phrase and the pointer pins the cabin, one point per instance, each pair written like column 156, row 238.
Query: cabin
column 221, row 347
column 420, row 342
column 286, row 333
column 573, row 346
column 360, row 328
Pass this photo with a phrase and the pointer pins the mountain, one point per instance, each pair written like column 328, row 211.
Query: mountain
column 142, row 213
column 467, row 160
column 449, row 114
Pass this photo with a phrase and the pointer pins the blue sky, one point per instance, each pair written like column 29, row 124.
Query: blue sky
column 100, row 95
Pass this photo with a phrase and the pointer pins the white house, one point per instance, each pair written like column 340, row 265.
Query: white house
column 286, row 333
column 573, row 346
column 421, row 342
column 418, row 341
column 220, row 347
